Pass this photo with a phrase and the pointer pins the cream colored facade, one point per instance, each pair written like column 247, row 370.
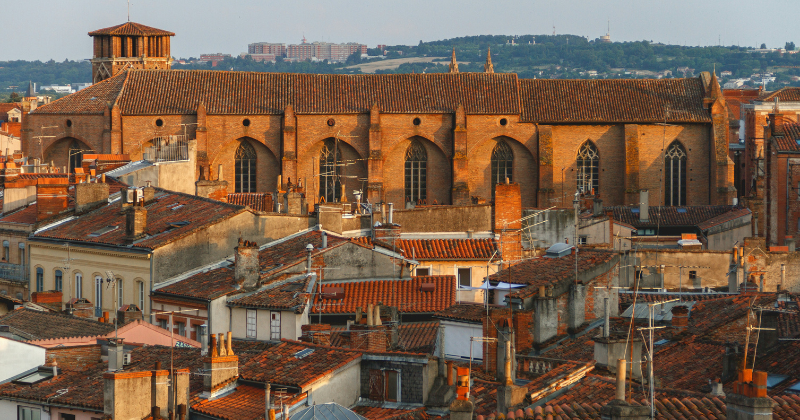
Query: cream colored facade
column 82, row 267
column 478, row 271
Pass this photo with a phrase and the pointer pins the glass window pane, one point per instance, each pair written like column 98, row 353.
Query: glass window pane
column 392, row 385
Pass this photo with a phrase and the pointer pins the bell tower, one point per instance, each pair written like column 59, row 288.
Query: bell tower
column 129, row 46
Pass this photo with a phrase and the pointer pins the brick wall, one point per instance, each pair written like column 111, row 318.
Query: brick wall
column 75, row 357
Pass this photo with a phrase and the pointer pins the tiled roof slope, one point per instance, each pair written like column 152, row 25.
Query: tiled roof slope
column 131, row 28
column 447, row 249
column 206, row 286
column 246, row 402
column 145, row 358
column 549, row 271
column 783, row 359
column 279, row 366
column 37, row 325
column 157, row 92
column 415, row 337
column 788, row 142
column 465, row 311
column 287, row 296
column 255, row 201
column 166, row 209
column 293, row 249
column 613, row 101
column 92, row 100
column 403, row 294
column 24, row 216
column 787, row 94
column 722, row 218
column 84, row 388
column 665, row 216
column 380, row 413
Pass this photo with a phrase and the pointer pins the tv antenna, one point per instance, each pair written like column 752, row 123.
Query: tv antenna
column 129, row 10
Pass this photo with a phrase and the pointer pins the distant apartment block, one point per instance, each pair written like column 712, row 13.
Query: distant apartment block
column 317, row 51
column 213, row 58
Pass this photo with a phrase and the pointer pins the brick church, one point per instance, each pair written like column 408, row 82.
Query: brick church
column 421, row 138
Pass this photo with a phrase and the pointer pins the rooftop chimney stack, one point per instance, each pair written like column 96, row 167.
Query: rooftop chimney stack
column 776, row 121
column 222, row 367
column 644, row 205
column 461, row 408
column 136, row 222
column 246, row 264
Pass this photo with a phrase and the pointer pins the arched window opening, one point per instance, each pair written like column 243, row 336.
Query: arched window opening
column 39, row 279
column 502, row 163
column 78, row 286
column 120, row 294
column 675, row 175
column 140, row 294
column 75, row 156
column 416, row 172
column 59, row 280
column 330, row 183
column 245, row 168
column 588, row 162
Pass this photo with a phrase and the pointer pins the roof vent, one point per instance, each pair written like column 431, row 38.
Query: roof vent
column 558, row 250
column 103, row 231
column 427, row 287
column 303, row 353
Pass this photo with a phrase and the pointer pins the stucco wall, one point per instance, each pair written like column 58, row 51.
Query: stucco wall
column 8, row 410
column 554, row 225
column 445, row 219
column 717, row 263
column 450, row 268
column 18, row 357
column 724, row 236
column 342, row 387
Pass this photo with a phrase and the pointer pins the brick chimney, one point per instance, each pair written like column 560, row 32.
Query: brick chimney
column 507, row 219
column 461, row 408
column 749, row 400
column 89, row 196
column 776, row 121
column 619, row 409
column 129, row 313
column 137, row 394
column 680, row 317
column 246, row 264
column 136, row 222
column 51, row 196
column 222, row 367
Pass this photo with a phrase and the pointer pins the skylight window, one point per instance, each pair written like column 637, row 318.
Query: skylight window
column 103, row 231
column 303, row 353
column 635, row 210
column 176, row 207
column 35, row 377
column 661, row 342
column 774, row 380
column 178, row 224
column 793, row 389
column 681, row 210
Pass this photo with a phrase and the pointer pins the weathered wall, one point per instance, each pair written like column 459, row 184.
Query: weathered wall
column 356, row 262
column 724, row 236
column 18, row 357
column 476, row 218
column 554, row 226
column 713, row 274
column 412, row 378
column 758, row 262
column 341, row 387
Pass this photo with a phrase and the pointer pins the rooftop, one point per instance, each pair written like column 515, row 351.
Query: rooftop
column 415, row 337
column 293, row 295
column 131, row 29
column 408, row 296
column 37, row 325
column 667, row 216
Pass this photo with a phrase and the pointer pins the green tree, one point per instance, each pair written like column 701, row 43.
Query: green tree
column 790, row 46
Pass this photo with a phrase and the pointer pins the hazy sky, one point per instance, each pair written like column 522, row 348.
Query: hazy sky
column 57, row 29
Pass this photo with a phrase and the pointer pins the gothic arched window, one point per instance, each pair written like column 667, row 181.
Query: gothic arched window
column 245, row 168
column 588, row 161
column 416, row 172
column 75, row 156
column 675, row 175
column 502, row 163
column 330, row 183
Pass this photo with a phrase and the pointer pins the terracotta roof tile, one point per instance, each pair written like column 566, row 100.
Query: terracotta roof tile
column 789, row 141
column 380, row 413
column 288, row 296
column 26, row 215
column 787, row 94
column 206, row 286
column 280, row 366
column 447, row 249
column 84, row 388
column 415, row 337
column 92, row 100
column 131, row 28
column 246, row 402
column 165, row 218
column 37, row 325
column 608, row 101
column 403, row 294
column 465, row 311
column 292, row 250
column 666, row 216
column 256, row 201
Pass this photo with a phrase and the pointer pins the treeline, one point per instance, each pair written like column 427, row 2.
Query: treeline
column 18, row 73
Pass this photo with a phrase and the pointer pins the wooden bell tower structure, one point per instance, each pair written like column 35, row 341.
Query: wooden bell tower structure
column 129, row 46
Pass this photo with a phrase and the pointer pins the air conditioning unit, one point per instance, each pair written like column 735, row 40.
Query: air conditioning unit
column 126, row 359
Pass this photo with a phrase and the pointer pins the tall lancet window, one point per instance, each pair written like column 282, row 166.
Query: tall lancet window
column 502, row 163
column 75, row 156
column 675, row 175
column 245, row 168
column 330, row 159
column 588, row 162
column 416, row 172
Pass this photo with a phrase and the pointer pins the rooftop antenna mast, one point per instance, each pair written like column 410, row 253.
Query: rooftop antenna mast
column 129, row 10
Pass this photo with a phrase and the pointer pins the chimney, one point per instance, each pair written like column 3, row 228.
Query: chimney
column 204, row 340
column 116, row 354
column 391, row 214
column 768, row 337
column 730, row 361
column 545, row 316
column 621, row 369
column 324, row 240
column 247, row 264
column 309, row 250
column 89, row 196
column 51, row 197
column 136, row 223
column 608, row 350
column 222, row 368
column 597, row 208
column 619, row 409
column 644, row 205
column 577, row 307
column 749, row 400
column 776, row 121
column 135, row 395
column 129, row 313
column 606, row 325
column 461, row 408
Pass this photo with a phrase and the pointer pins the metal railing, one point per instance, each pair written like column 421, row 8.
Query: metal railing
column 168, row 149
column 14, row 272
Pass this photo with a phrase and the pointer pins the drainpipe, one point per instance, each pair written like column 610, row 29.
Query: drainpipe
column 309, row 249
column 620, row 380
column 606, row 327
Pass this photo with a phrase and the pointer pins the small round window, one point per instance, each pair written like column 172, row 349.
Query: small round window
column 503, row 121
column 69, row 123
column 159, row 122
column 331, row 122
column 417, row 121
column 246, row 122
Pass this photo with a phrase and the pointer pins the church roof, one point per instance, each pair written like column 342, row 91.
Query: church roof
column 615, row 100
column 131, row 28
column 787, row 94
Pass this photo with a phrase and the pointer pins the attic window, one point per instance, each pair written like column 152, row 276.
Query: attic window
column 681, row 210
column 635, row 210
column 303, row 353
column 661, row 342
column 774, row 380
column 178, row 224
column 35, row 377
column 176, row 207
column 795, row 389
column 103, row 231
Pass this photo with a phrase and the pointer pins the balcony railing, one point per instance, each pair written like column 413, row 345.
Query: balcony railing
column 168, row 149
column 13, row 272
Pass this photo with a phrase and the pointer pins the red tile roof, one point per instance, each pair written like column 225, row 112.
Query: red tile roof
column 784, row 359
column 403, row 294
column 246, row 402
column 206, row 286
column 280, row 367
column 447, row 249
column 550, row 271
column 92, row 100
column 292, row 250
column 24, row 216
column 465, row 311
column 167, row 209
column 666, row 216
column 84, row 389
column 609, row 101
column 415, row 337
column 38, row 325
column 256, row 201
column 380, row 413
column 131, row 28
column 284, row 296
column 787, row 94
column 157, row 92
column 788, row 142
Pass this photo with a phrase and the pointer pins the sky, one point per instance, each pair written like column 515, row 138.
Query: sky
column 57, row 29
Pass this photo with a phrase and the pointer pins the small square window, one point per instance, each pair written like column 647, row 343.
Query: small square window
column 583, row 240
column 251, row 323
column 423, row 271
column 464, row 277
